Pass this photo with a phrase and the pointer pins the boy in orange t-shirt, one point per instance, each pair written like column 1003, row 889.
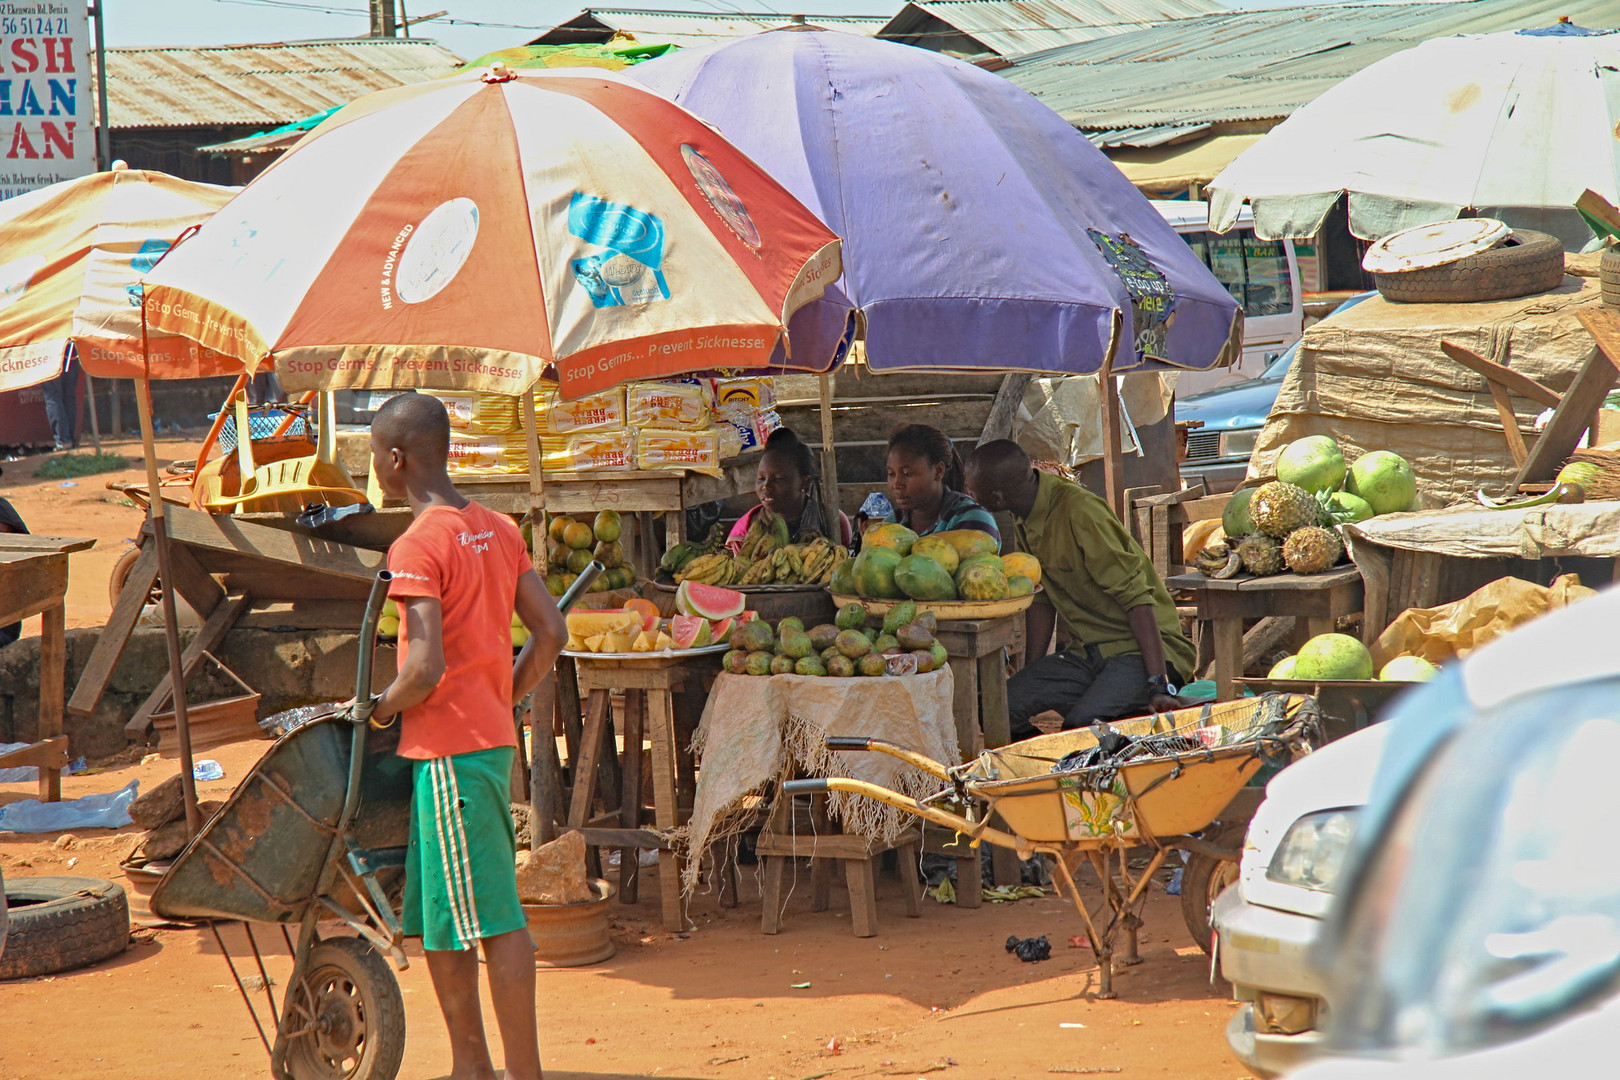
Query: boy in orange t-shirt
column 458, row 573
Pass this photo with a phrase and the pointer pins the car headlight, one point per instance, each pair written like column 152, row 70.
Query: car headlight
column 1239, row 443
column 1312, row 853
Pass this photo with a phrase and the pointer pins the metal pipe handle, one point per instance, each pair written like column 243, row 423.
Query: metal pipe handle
column 571, row 597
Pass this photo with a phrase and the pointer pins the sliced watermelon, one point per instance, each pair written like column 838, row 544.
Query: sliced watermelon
column 721, row 630
column 709, row 601
column 746, row 616
column 690, row 631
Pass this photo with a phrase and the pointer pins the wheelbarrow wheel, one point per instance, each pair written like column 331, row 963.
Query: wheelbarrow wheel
column 120, row 575
column 352, row 1015
column 1205, row 878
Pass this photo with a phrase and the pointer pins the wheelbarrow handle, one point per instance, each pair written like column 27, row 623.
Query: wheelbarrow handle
column 571, row 595
column 881, row 746
column 955, row 822
column 804, row 787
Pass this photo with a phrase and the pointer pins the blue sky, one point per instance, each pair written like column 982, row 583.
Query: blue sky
column 220, row 22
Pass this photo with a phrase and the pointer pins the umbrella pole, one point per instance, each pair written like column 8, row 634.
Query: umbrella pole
column 95, row 421
column 545, row 768
column 829, row 460
column 171, row 629
column 1113, row 463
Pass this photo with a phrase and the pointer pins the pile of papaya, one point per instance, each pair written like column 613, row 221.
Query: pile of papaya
column 961, row 564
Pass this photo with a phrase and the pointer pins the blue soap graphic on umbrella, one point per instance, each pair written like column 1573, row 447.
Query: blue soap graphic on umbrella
column 634, row 243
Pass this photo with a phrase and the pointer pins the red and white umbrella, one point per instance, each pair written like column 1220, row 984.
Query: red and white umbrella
column 464, row 232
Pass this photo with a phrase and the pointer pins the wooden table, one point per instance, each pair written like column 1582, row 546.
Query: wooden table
column 33, row 581
column 1319, row 599
column 650, row 689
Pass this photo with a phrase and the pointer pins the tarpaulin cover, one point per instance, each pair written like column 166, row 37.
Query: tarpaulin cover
column 1374, row 378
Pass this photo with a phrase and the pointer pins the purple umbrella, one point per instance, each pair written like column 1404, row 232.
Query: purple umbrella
column 980, row 229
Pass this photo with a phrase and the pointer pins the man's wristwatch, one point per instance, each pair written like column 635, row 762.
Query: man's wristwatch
column 1161, row 684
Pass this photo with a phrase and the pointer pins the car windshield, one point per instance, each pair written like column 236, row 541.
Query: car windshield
column 1254, row 271
column 1491, row 908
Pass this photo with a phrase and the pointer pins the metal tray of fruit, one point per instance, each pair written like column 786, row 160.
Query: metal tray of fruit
column 665, row 584
column 946, row 609
column 664, row 656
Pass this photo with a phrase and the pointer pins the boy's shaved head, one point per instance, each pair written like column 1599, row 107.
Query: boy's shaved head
column 1001, row 459
column 415, row 423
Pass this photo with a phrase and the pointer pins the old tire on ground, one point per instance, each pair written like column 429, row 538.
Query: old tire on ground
column 1203, row 880
column 357, row 1027
column 59, row 923
column 1609, row 276
column 1525, row 264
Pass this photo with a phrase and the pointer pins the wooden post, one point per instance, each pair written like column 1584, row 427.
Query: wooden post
column 95, row 421
column 829, row 460
column 1113, row 464
column 998, row 425
column 171, row 629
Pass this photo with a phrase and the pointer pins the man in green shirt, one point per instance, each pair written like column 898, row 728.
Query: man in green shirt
column 1127, row 653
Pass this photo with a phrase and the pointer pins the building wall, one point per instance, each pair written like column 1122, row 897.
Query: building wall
column 174, row 151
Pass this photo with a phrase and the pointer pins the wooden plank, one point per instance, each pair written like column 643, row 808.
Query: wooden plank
column 305, row 615
column 1575, row 410
column 1510, row 424
column 45, row 545
column 590, row 751
column 1113, row 461
column 110, row 645
column 194, row 583
column 1498, row 375
column 635, row 709
column 47, row 753
column 862, row 897
column 213, row 631
column 829, row 460
column 291, row 584
column 52, row 680
column 818, row 845
column 31, row 583
column 1003, row 410
column 666, row 814
column 1228, row 657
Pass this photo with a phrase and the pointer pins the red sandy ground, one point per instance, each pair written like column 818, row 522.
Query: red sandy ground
column 934, row 997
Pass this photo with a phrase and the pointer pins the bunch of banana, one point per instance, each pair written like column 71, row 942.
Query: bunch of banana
column 765, row 538
column 680, row 555
column 715, row 569
column 818, row 559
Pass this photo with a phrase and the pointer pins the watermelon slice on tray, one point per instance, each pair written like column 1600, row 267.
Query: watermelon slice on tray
column 709, row 601
column 690, row 631
column 721, row 630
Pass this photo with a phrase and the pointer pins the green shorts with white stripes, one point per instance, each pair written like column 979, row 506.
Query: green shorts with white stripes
column 461, row 867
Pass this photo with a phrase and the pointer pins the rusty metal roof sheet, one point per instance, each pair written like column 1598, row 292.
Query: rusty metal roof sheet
column 1257, row 65
column 1009, row 27
column 264, row 85
column 689, row 29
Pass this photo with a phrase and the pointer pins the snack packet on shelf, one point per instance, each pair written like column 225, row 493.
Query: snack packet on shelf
column 741, row 398
column 479, row 413
column 677, row 450
column 607, row 450
column 667, row 405
column 594, row 413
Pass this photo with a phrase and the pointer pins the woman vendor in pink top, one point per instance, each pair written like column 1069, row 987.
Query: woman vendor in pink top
column 787, row 486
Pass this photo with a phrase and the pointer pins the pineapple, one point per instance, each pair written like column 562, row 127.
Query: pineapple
column 1277, row 509
column 1312, row 549
column 1261, row 554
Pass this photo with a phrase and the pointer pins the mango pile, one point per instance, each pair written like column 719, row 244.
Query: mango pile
column 844, row 648
column 961, row 564
column 572, row 545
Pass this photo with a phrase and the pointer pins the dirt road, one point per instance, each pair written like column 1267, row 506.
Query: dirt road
column 935, row 997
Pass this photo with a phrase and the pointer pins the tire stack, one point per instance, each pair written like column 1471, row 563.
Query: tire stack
column 1609, row 276
column 1524, row 264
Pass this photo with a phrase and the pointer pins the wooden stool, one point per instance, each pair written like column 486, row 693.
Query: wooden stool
column 979, row 703
column 824, row 845
column 649, row 714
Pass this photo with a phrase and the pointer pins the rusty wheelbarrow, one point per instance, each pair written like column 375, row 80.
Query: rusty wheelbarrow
column 1063, row 797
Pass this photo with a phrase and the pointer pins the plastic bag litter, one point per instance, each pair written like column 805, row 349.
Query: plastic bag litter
column 108, row 810
column 1030, row 950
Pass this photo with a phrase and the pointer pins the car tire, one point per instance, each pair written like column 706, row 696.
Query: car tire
column 59, row 923
column 1609, row 276
column 1525, row 264
column 1204, row 878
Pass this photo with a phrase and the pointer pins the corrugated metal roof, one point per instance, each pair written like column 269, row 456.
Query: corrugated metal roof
column 1144, row 138
column 689, row 29
column 1009, row 27
column 263, row 85
column 1258, row 65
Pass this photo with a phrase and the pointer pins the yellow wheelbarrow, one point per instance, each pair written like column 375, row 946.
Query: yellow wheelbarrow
column 1067, row 797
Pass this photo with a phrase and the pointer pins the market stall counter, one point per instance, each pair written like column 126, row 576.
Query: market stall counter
column 757, row 729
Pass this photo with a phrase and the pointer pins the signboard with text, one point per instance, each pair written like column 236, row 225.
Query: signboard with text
column 47, row 115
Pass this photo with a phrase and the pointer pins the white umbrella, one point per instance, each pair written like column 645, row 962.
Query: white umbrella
column 1523, row 119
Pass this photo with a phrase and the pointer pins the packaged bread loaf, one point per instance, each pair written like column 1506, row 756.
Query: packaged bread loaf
column 676, row 450
column 667, row 405
column 594, row 413
column 607, row 450
column 479, row 413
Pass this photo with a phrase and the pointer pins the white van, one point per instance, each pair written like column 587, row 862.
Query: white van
column 1262, row 275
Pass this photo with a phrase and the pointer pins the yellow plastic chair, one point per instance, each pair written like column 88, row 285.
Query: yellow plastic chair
column 288, row 485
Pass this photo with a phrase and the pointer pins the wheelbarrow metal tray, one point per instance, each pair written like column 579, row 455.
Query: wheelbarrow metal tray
column 260, row 858
column 1150, row 796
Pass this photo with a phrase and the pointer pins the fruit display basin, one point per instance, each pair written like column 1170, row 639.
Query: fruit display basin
column 947, row 609
column 664, row 658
